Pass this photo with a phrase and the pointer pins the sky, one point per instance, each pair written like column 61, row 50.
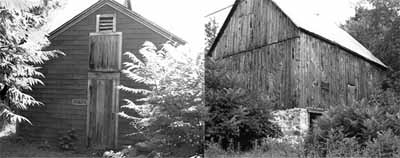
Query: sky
column 186, row 18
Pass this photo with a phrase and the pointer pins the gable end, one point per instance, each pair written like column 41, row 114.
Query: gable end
column 115, row 5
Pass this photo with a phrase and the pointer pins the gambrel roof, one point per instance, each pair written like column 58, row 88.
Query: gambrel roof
column 316, row 26
column 135, row 16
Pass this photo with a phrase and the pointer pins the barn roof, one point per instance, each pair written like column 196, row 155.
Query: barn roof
column 314, row 25
column 135, row 16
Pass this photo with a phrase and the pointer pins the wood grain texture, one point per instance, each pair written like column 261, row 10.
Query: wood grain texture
column 105, row 51
column 333, row 75
column 67, row 79
column 263, row 46
column 258, row 44
column 102, row 110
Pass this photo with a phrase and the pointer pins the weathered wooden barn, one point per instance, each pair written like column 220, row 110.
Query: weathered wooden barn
column 80, row 89
column 305, row 62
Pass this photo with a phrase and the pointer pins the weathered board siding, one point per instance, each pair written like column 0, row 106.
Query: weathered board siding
column 255, row 24
column 102, row 110
column 103, row 94
column 262, row 45
column 258, row 44
column 326, row 74
column 105, row 52
column 67, row 79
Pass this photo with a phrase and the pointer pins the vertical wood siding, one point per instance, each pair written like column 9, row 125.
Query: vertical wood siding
column 258, row 44
column 255, row 24
column 102, row 117
column 271, row 54
column 105, row 52
column 330, row 75
column 67, row 79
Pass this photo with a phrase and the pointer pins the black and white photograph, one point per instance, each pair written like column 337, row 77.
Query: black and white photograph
column 200, row 78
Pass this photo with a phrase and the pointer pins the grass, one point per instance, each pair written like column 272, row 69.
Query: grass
column 385, row 145
column 270, row 149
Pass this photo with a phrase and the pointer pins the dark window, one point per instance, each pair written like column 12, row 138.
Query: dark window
column 325, row 86
column 313, row 117
column 351, row 93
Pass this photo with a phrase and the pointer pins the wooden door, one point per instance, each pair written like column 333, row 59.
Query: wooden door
column 103, row 109
column 103, row 95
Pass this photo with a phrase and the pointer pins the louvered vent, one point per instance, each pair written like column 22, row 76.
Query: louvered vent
column 106, row 23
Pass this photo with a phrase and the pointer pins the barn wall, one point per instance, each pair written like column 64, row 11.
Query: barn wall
column 258, row 43
column 327, row 75
column 67, row 79
column 272, row 55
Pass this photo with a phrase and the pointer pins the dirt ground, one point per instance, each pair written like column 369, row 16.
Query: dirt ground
column 13, row 146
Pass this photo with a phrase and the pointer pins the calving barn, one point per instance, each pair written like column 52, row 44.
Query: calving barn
column 304, row 61
column 80, row 89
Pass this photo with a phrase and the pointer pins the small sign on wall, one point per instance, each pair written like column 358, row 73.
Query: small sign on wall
column 79, row 101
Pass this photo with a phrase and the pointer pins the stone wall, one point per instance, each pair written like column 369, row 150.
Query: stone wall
column 294, row 123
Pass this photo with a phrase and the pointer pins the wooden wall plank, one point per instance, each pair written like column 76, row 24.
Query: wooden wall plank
column 271, row 54
column 346, row 74
column 67, row 77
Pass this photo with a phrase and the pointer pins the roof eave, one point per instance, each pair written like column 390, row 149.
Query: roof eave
column 383, row 66
column 151, row 25
column 234, row 7
column 223, row 27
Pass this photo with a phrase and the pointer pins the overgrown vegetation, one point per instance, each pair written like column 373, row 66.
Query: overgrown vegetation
column 363, row 126
column 376, row 25
column 171, row 114
column 236, row 116
column 365, row 129
column 21, row 41
column 67, row 140
column 210, row 28
column 13, row 146
column 369, row 128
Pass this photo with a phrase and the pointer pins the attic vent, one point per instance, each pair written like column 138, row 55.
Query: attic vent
column 105, row 23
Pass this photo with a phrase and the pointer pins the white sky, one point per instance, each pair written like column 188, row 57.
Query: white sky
column 186, row 18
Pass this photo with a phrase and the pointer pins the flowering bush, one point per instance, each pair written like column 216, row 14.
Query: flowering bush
column 172, row 110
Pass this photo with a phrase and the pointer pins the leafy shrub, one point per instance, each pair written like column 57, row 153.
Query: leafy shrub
column 67, row 140
column 392, row 81
column 172, row 110
column 236, row 115
column 385, row 145
column 361, row 122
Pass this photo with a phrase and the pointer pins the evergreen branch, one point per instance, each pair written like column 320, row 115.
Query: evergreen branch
column 13, row 117
column 133, row 90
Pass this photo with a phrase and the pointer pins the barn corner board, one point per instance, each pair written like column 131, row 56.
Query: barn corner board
column 81, row 87
column 293, row 58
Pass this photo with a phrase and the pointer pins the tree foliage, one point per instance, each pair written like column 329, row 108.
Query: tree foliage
column 171, row 113
column 211, row 28
column 21, row 41
column 376, row 25
column 237, row 116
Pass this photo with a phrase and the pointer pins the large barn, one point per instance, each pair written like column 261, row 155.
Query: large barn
column 80, row 89
column 304, row 61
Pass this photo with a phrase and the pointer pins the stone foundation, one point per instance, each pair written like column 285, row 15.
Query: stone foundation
column 294, row 123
